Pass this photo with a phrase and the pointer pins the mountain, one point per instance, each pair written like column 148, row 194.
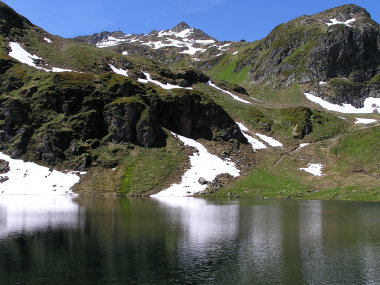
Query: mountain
column 334, row 54
column 113, row 104
column 180, row 40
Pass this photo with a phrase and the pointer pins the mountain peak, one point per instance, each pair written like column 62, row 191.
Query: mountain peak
column 180, row 27
column 346, row 12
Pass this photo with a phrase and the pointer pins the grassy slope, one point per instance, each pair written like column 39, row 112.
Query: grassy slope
column 140, row 170
column 350, row 154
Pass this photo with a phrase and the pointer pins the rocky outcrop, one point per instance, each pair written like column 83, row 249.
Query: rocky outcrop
column 4, row 166
column 73, row 114
column 308, row 50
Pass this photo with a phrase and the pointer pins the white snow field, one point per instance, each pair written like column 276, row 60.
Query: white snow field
column 229, row 93
column 371, row 105
column 364, row 121
column 256, row 144
column 164, row 86
column 314, row 168
column 203, row 164
column 28, row 178
column 19, row 53
column 334, row 21
column 47, row 40
column 119, row 70
column 269, row 140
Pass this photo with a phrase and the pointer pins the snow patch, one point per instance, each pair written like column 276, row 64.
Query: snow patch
column 203, row 164
column 124, row 53
column 302, row 145
column 364, row 121
column 256, row 144
column 269, row 140
column 110, row 41
column 183, row 34
column 334, row 21
column 205, row 42
column 164, row 86
column 315, row 169
column 28, row 178
column 119, row 70
column 322, row 83
column 47, row 40
column 57, row 69
column 371, row 105
column 236, row 52
column 17, row 52
column 229, row 93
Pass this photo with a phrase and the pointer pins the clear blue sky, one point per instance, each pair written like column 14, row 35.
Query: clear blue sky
column 222, row 19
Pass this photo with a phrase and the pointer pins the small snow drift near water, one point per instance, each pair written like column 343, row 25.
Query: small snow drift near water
column 371, row 105
column 365, row 121
column 203, row 164
column 17, row 52
column 315, row 169
column 256, row 144
column 164, row 86
column 28, row 178
column 229, row 93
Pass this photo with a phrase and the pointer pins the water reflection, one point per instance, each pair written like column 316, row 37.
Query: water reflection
column 188, row 241
column 30, row 213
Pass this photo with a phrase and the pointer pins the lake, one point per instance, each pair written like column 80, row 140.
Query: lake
column 60, row 240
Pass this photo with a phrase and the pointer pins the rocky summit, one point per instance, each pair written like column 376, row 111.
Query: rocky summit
column 132, row 109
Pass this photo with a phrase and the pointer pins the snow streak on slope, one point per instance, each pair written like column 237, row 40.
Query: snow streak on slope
column 364, row 121
column 256, row 144
column 302, row 145
column 229, row 93
column 203, row 164
column 28, row 178
column 119, row 70
column 17, row 52
column 371, row 105
column 315, row 169
column 269, row 140
column 164, row 86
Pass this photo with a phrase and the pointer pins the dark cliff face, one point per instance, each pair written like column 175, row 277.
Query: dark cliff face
column 59, row 117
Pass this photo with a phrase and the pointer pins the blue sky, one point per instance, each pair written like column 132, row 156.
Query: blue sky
column 222, row 19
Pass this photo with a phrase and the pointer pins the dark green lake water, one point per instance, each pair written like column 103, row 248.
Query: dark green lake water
column 187, row 241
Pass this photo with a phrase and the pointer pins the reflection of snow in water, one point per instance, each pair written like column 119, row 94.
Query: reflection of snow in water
column 204, row 223
column 20, row 214
column 263, row 229
column 311, row 242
